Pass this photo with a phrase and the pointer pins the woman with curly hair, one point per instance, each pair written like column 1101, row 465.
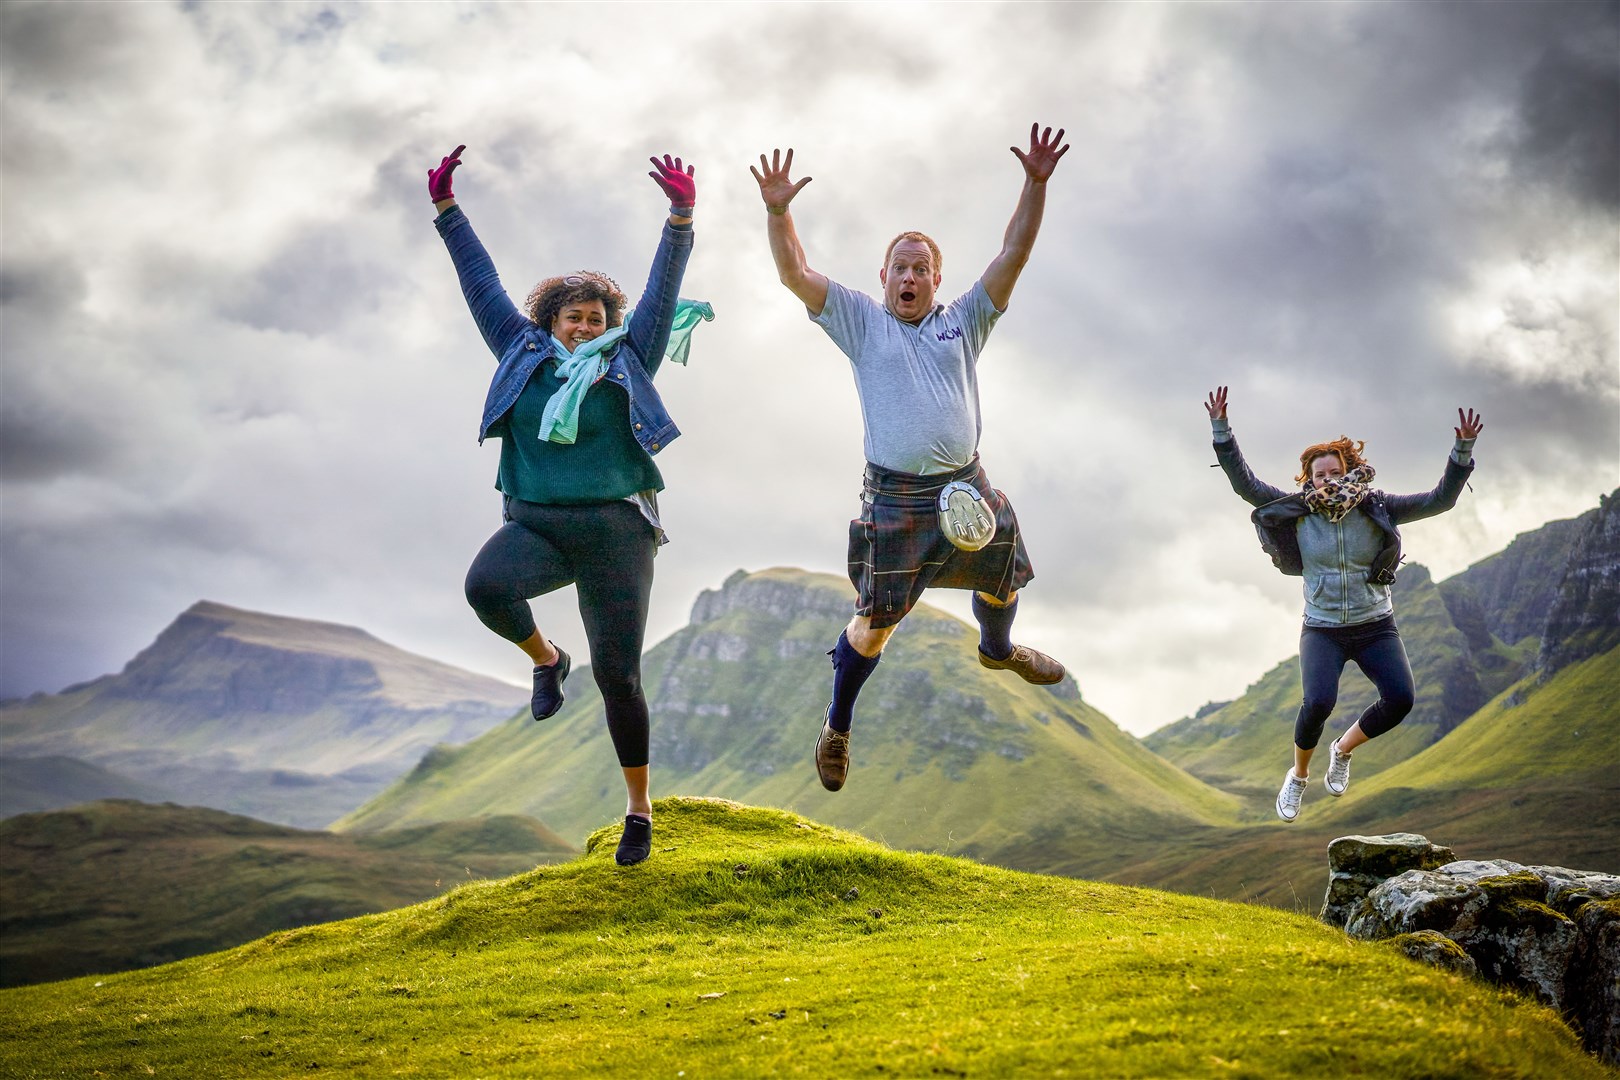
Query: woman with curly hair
column 1341, row 535
column 573, row 404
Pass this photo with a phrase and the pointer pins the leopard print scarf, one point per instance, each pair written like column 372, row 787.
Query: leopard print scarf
column 1340, row 495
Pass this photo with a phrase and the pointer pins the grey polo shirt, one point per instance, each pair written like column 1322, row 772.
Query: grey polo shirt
column 918, row 385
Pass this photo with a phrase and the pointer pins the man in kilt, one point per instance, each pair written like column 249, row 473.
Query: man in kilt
column 927, row 507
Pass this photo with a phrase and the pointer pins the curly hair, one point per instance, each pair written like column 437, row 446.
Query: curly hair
column 1348, row 452
column 921, row 238
column 555, row 293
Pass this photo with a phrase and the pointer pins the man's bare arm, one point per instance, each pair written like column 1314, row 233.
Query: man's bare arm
column 1038, row 163
column 777, row 191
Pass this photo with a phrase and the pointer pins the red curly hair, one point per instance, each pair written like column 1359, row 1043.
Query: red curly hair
column 1347, row 450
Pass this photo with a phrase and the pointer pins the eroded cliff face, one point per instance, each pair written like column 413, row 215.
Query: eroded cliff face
column 1585, row 616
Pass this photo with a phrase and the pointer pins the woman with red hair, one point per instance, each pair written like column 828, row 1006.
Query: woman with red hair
column 1342, row 536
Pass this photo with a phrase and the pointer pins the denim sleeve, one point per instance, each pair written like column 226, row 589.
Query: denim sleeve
column 1250, row 489
column 648, row 336
column 498, row 319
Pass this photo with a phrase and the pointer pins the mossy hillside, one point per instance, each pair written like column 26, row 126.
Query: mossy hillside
column 1531, row 777
column 117, row 884
column 1530, row 732
column 758, row 943
column 948, row 756
column 1244, row 747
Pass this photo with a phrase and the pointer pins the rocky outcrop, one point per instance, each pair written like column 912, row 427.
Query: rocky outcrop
column 1548, row 931
column 1359, row 864
column 1513, row 591
column 1585, row 617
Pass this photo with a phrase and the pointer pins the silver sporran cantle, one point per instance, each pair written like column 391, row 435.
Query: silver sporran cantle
column 964, row 516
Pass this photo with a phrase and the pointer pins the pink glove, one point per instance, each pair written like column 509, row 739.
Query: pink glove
column 678, row 185
column 439, row 179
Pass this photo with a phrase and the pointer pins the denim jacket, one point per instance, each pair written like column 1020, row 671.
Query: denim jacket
column 520, row 346
column 1348, row 566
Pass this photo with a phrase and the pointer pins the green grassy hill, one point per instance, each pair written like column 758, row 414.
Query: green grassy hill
column 1534, row 777
column 115, row 885
column 758, row 943
column 948, row 756
column 1244, row 747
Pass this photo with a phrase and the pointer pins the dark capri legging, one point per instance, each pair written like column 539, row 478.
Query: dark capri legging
column 1376, row 648
column 606, row 551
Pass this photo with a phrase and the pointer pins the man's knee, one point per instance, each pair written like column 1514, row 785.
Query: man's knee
column 864, row 638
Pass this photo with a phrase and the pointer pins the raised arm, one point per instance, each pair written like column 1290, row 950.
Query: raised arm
column 777, row 190
column 498, row 319
column 1041, row 158
column 1459, row 466
column 655, row 313
column 1251, row 489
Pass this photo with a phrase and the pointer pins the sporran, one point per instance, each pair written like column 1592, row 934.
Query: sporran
column 964, row 517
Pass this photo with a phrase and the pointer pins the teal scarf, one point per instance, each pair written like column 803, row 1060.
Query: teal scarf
column 579, row 370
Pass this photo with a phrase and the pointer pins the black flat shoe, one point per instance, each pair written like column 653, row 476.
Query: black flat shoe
column 636, row 843
column 548, row 680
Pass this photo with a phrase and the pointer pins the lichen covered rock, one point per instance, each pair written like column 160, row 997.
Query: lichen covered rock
column 1358, row 864
column 1547, row 930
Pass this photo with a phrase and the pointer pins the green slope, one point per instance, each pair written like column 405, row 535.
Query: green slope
column 757, row 943
column 115, row 885
column 1245, row 746
column 948, row 756
column 1533, row 777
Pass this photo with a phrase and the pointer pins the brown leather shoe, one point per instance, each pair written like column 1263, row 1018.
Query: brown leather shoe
column 832, row 757
column 1028, row 664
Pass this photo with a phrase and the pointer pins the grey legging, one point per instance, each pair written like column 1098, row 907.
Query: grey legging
column 606, row 551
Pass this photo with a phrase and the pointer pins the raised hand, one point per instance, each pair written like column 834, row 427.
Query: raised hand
column 1216, row 405
column 1469, row 426
column 774, row 185
column 1042, row 156
column 680, row 185
column 439, row 179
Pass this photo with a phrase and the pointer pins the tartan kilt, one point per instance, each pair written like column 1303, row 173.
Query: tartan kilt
column 896, row 549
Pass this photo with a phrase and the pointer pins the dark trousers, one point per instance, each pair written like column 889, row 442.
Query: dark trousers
column 1377, row 649
column 606, row 552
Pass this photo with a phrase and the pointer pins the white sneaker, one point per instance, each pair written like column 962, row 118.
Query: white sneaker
column 1288, row 799
column 1338, row 771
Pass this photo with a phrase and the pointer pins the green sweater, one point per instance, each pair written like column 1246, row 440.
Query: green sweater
column 604, row 465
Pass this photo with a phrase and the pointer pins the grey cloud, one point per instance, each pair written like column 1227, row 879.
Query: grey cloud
column 313, row 285
column 43, row 286
column 68, row 48
column 1570, row 111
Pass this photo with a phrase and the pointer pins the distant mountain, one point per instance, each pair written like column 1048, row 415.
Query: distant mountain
column 1243, row 746
column 947, row 755
column 1585, row 618
column 116, row 885
column 1510, row 594
column 287, row 720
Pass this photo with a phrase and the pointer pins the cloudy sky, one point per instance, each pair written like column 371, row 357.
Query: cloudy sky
column 237, row 366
